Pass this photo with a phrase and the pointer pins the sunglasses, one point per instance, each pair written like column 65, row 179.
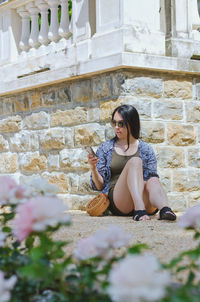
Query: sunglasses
column 120, row 124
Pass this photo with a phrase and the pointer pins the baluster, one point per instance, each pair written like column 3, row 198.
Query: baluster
column 44, row 28
column 54, row 25
column 195, row 15
column 33, row 10
column 25, row 34
column 64, row 23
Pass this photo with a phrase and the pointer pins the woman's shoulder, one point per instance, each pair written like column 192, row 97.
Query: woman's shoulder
column 107, row 145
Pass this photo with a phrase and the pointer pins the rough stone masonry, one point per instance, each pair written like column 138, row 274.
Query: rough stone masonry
column 43, row 131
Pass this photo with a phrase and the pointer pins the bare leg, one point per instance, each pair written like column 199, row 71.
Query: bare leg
column 128, row 191
column 156, row 194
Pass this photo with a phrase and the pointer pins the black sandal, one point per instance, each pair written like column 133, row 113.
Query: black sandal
column 166, row 213
column 138, row 214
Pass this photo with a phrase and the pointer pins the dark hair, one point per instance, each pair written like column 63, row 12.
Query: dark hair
column 131, row 118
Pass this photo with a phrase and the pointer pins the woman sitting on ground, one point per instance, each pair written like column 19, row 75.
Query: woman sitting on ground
column 125, row 168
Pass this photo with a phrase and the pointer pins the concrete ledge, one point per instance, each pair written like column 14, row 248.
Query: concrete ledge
column 96, row 66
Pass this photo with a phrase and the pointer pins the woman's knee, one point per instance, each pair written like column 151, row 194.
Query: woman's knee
column 152, row 183
column 134, row 161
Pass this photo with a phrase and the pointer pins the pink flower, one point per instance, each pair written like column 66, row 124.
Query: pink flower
column 191, row 218
column 6, row 285
column 37, row 213
column 10, row 191
column 6, row 185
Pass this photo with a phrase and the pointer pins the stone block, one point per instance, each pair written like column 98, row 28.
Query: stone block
column 32, row 162
column 193, row 112
column 165, row 179
column 81, row 91
column 193, row 181
column 69, row 137
column 69, row 117
column 117, row 82
column 24, row 141
column 144, row 86
column 193, row 199
column 80, row 184
column 61, row 180
column 49, row 98
column 178, row 89
column 143, row 107
column 180, row 180
column 109, row 132
column 170, row 157
column 36, row 121
column 36, row 100
column 181, row 135
column 53, row 162
column 63, row 96
column 93, row 115
column 74, row 160
column 152, row 132
column 8, row 162
column 88, row 135
column 1, row 106
column 4, row 146
column 107, row 108
column 8, row 106
column 168, row 109
column 22, row 104
column 194, row 157
column 10, row 124
column 53, row 139
column 186, row 181
column 101, row 87
column 76, row 202
column 177, row 201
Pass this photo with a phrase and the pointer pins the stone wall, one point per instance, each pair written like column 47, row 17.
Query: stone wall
column 43, row 131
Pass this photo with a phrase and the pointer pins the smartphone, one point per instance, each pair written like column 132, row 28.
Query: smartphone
column 90, row 151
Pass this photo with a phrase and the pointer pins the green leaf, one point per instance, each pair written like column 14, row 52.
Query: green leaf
column 137, row 249
column 29, row 242
column 6, row 229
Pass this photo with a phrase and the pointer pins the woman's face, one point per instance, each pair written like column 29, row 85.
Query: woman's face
column 121, row 132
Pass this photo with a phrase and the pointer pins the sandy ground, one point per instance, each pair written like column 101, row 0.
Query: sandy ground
column 165, row 239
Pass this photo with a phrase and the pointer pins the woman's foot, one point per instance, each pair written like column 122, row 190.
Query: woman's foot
column 140, row 215
column 166, row 213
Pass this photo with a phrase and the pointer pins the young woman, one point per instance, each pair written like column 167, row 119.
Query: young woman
column 125, row 168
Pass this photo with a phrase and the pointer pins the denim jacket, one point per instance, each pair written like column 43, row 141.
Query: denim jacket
column 104, row 153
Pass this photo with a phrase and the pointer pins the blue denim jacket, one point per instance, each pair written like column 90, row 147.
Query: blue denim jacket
column 104, row 153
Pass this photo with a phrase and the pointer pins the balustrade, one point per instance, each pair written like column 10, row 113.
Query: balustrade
column 41, row 22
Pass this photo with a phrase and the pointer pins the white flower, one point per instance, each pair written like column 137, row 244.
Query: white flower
column 85, row 249
column 191, row 218
column 138, row 278
column 102, row 243
column 41, row 186
column 6, row 285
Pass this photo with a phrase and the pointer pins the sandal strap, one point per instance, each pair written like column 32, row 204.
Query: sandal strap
column 138, row 214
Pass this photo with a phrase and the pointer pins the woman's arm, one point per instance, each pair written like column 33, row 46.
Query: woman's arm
column 96, row 176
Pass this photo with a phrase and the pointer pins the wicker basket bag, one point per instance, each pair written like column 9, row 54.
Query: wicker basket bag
column 97, row 205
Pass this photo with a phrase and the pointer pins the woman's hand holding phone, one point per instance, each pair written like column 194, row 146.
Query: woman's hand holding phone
column 92, row 158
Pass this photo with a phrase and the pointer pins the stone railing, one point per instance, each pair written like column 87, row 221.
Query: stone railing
column 98, row 33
